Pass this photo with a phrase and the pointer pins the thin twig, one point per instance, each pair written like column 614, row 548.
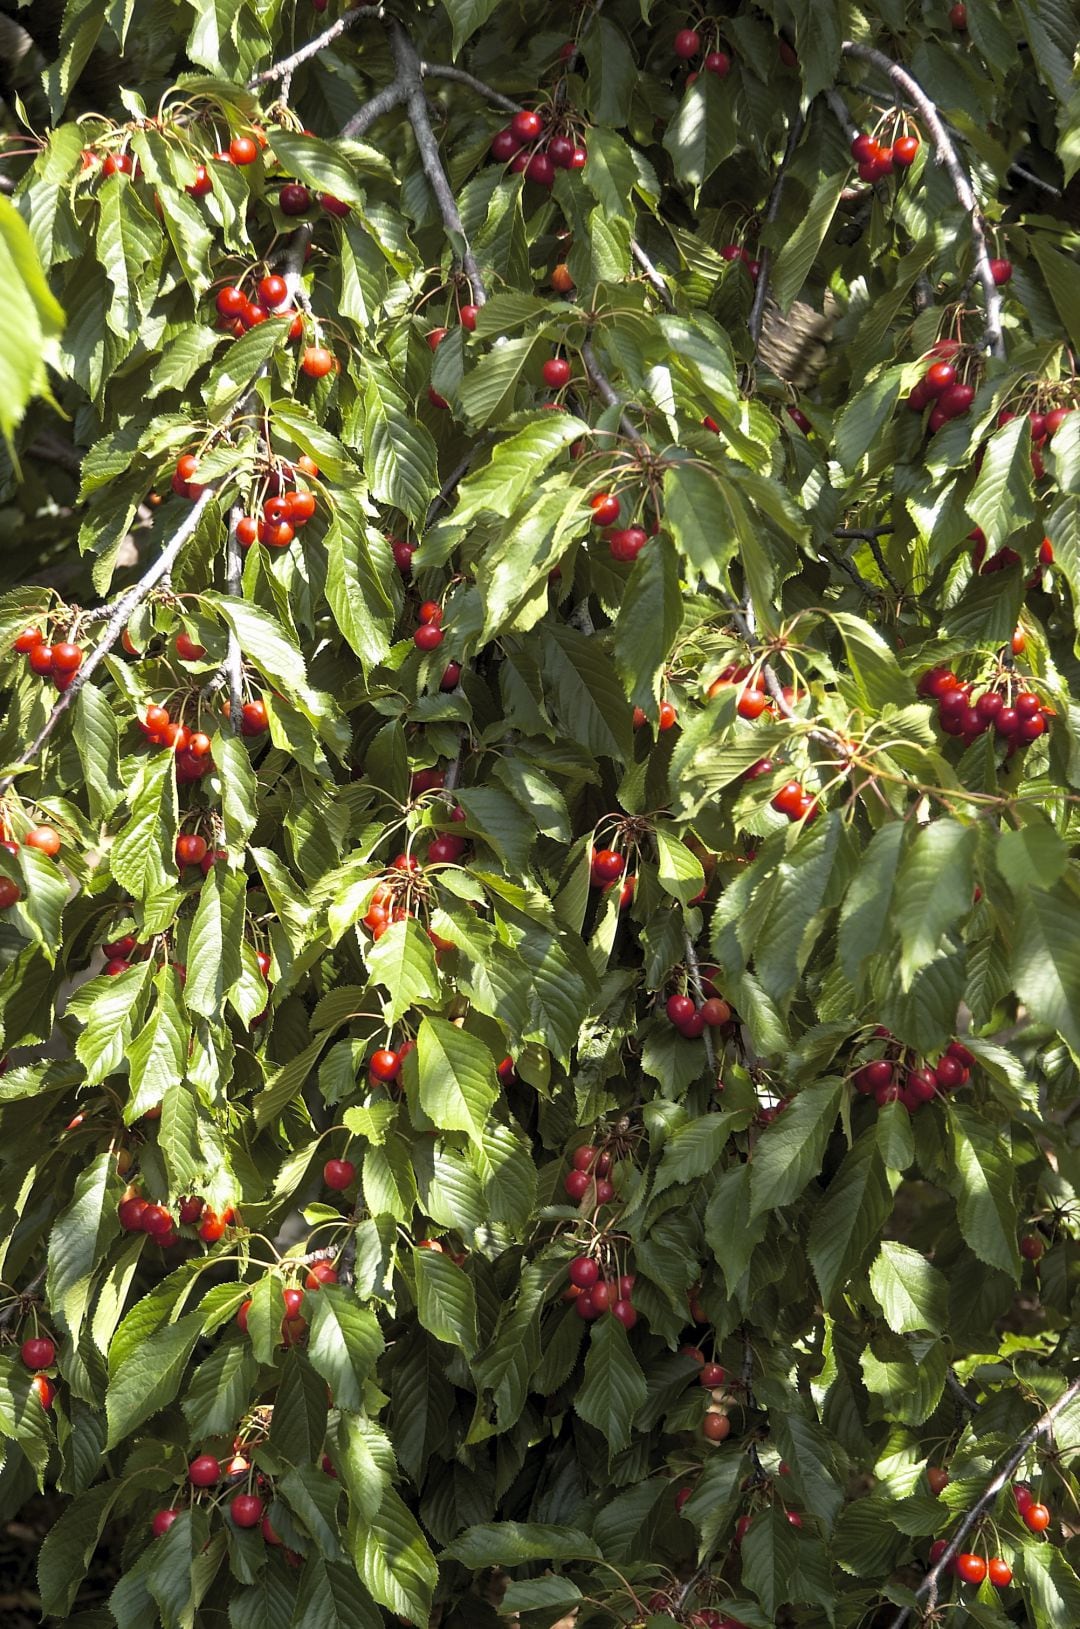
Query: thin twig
column 1006, row 1468
column 607, row 392
column 444, row 70
column 875, row 549
column 761, row 292
column 947, row 155
column 12, row 1313
column 287, row 66
column 116, row 624
column 446, row 491
column 1034, row 180
column 408, row 77
column 391, row 96
column 840, row 112
column 693, row 968
column 866, row 534
column 651, row 273
column 962, row 1398
column 846, row 566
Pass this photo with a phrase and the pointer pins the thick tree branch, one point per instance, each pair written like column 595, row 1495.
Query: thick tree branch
column 761, row 292
column 408, row 77
column 947, row 155
column 286, row 67
column 125, row 605
column 1007, row 1467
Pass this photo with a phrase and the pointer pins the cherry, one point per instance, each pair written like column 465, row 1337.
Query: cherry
column 334, row 206
column 718, row 63
column 243, row 150
column 202, row 183
column 625, row 1312
column 9, row 893
column 231, row 301
column 580, row 158
column 44, row 839
column 129, row 1212
column 162, row 1521
column 468, row 315
column 628, row 543
column 687, row 43
column 751, row 704
column 430, row 611
column 254, row 718
column 190, row 1210
column 949, row 1072
column 294, row 199
column 273, row 290
column 956, row 399
column 212, row 1227
column 1032, row 1248
column 28, row 639
column 187, row 649
column 385, row 1065
column 403, row 553
column 999, row 1572
column 971, row 1568
column 788, row 800
column 668, row 717
column 451, row 676
column 958, row 16
column 276, row 534
column 117, row 164
column 577, row 1184
column 938, row 377
column 317, row 361
column 268, row 1533
column 157, row 1221
column 504, row 144
column 44, row 1388
column 246, row 1510
column 190, row 849
column 904, row 150
column 526, row 125
column 937, row 1478
column 607, row 864
column 556, row 372
column 584, row 1158
column 541, row 170
column 1001, row 271
column 444, row 850
column 1023, row 1496
column 680, row 1009
column 204, row 1471
column 712, row 1374
column 320, row 1273
column 716, row 1426
column 1054, row 420
column 560, row 150
column 1036, row 1518
column 338, row 1174
column 40, row 659
column 39, row 1352
column 428, row 637
column 300, row 506
column 584, row 1273
column 605, row 509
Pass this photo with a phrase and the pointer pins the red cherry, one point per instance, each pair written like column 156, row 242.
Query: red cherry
column 584, row 1272
column 162, row 1521
column 294, row 1300
column 403, row 553
column 712, row 1375
column 130, row 1211
column 718, row 63
column 625, row 1312
column 999, row 1572
column 190, row 849
column 191, row 1209
column 294, row 199
column 687, row 43
column 904, row 150
column 751, row 704
column 204, row 1472
column 246, row 1510
column 202, row 183
column 268, row 1533
column 628, row 543
column 44, row 839
column 560, row 150
column 1054, row 420
column 1032, row 1248
column 247, row 530
column 321, row 1272
column 1036, row 1518
column 788, row 799
column 117, row 164
column 956, row 399
column 937, row 1478
column 504, row 144
column 605, row 509
column 254, row 719
column 44, row 1388
column 338, row 1174
column 577, row 1184
column 958, row 16
column 607, row 864
column 334, row 206
column 243, row 150
column 28, row 640
column 541, row 170
column 938, row 377
column 1000, row 270
column 385, row 1065
column 716, row 1427
column 66, row 658
column 212, row 1227
column 971, row 1568
column 680, row 1009
column 556, row 372
column 38, row 1352
column 949, row 1073
column 526, row 125
column 316, row 361
column 428, row 637
column 40, row 659
column 468, row 315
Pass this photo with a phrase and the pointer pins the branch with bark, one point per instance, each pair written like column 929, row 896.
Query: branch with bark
column 128, row 602
column 947, row 155
column 1007, row 1467
column 288, row 65
column 772, row 208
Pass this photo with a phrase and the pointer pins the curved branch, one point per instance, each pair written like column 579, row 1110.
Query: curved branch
column 444, row 70
column 962, row 187
column 761, row 292
column 927, row 1590
column 652, row 274
column 125, row 605
column 371, row 112
column 284, row 68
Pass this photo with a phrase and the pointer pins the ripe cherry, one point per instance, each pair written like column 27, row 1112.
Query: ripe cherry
column 317, row 361
column 334, row 206
column 254, row 719
column 504, row 144
column 44, row 839
column 715, row 1012
column 44, row 1389
column 971, row 1568
column 718, row 63
column 540, row 170
column 294, row 199
column 428, row 637
column 626, row 544
column 958, row 16
column 9, row 893
column 243, row 150
column 560, row 150
column 687, row 43
column 385, row 1064
column 430, row 611
column 751, row 703
column 129, row 1212
column 556, row 372
column 468, row 315
column 625, row 1312
column 999, row 1572
column 526, row 125
column 338, row 1174
column 1032, row 1248
column 607, row 864
column 320, row 1272
column 937, row 1478
column 28, row 639
column 40, row 659
column 187, row 649
column 162, row 1521
column 938, row 377
column 583, row 1270
column 605, row 509
column 117, row 164
column 711, row 1375
column 273, row 290
column 190, row 849
column 38, row 1352
column 204, row 1471
column 716, row 1426
column 904, row 150
column 1036, row 1518
column 246, row 1510
column 577, row 1184
column 1001, row 271
column 212, row 1227
column 680, row 1009
column 190, row 1210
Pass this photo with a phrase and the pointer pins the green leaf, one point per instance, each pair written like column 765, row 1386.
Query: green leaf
column 509, row 1543
column 649, row 619
column 933, row 890
column 445, row 1300
column 800, row 249
column 912, row 1294
column 298, row 1428
column 789, row 1152
column 31, row 323
column 1000, row 501
column 703, row 131
column 1063, row 280
column 458, row 1085
column 400, row 457
column 214, row 947
column 865, row 914
column 586, row 693
column 467, row 16
column 79, row 1239
column 97, row 740
column 149, row 1378
column 393, row 1559
column 856, row 1206
column 403, row 962
column 983, row 1183
column 355, row 592
column 879, row 680
column 515, row 466
column 344, row 1345
column 693, row 1149
column 706, row 517
column 767, row 1554
column 1050, row 1584
column 141, row 857
column 334, row 1598
column 158, row 1054
column 318, row 163
column 1046, row 959
column 614, row 1386
column 263, row 640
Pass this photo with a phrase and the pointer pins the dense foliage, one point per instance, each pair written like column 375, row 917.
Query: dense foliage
column 540, row 936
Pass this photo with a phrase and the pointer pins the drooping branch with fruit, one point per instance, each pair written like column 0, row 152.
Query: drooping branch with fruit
column 539, row 837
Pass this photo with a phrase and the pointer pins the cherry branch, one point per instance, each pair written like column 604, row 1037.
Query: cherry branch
column 371, row 112
column 607, row 392
column 1006, row 1470
column 125, row 605
column 445, row 70
column 772, row 209
column 285, row 68
column 651, row 273
column 947, row 155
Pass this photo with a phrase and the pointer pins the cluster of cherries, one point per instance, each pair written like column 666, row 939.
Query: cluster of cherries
column 875, row 161
column 606, row 868
column 237, row 311
column 940, row 385
column 901, row 1077
column 590, row 1168
column 625, row 542
column 294, row 1325
column 392, row 900
column 593, row 1294
column 140, row 1215
column 430, row 634
column 691, row 1020
column 792, row 800
column 667, row 717
column 689, row 46
column 1016, row 715
column 39, row 1352
column 45, row 839
column 971, row 1568
column 59, row 662
column 535, row 146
